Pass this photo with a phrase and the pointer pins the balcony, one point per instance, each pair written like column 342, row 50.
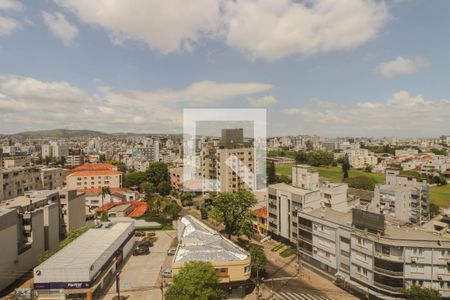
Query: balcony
column 388, row 272
column 301, row 226
column 388, row 257
column 388, row 287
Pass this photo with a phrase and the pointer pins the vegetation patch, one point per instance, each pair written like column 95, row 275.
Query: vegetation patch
column 287, row 252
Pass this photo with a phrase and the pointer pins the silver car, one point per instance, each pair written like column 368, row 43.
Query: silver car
column 166, row 273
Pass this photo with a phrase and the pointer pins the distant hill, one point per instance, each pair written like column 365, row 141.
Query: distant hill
column 58, row 133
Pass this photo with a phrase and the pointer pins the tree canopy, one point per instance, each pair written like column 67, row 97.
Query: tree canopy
column 315, row 158
column 157, row 172
column 416, row 292
column 233, row 209
column 197, row 280
column 361, row 182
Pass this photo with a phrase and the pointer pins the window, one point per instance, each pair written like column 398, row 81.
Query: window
column 445, row 253
column 362, row 271
column 345, row 253
column 345, row 267
column 345, row 240
column 361, row 242
column 417, row 251
column 416, row 268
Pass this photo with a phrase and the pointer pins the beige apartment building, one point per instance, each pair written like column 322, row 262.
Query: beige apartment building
column 198, row 242
column 228, row 165
column 94, row 176
column 16, row 181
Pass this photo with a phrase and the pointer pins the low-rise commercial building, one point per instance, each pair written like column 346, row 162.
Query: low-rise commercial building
column 198, row 242
column 85, row 268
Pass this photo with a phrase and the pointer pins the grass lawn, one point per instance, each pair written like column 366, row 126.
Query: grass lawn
column 332, row 173
column 440, row 195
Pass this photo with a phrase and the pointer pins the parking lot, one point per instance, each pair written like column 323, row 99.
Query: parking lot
column 140, row 277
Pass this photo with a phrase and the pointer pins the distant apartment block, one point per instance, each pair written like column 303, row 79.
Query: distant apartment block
column 91, row 176
column 360, row 158
column 75, row 157
column 230, row 161
column 402, row 197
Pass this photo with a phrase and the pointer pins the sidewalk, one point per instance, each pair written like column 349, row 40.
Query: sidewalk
column 311, row 280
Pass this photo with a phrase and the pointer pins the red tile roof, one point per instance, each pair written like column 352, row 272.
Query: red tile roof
column 95, row 173
column 261, row 212
column 94, row 167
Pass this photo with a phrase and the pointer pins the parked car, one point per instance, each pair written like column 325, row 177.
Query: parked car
column 139, row 234
column 141, row 251
column 171, row 251
column 146, row 243
column 151, row 233
column 166, row 273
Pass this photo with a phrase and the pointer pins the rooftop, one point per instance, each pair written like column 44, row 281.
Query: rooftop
column 85, row 256
column 289, row 188
column 95, row 173
column 199, row 242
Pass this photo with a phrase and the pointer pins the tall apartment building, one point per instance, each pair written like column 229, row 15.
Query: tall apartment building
column 149, row 153
column 372, row 254
column 91, row 176
column 16, row 181
column 228, row 163
column 402, row 197
column 75, row 157
column 286, row 201
column 32, row 224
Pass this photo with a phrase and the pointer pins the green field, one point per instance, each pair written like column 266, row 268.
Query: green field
column 440, row 195
column 332, row 173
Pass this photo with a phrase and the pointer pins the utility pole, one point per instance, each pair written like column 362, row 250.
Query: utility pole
column 118, row 284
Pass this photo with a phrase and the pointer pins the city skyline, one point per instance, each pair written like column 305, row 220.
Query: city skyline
column 69, row 64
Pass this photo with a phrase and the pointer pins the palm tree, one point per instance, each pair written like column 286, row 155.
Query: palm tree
column 105, row 191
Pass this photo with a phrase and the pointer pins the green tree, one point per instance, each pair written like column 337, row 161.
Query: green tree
column 361, row 182
column 416, row 292
column 283, row 178
column 133, row 179
column 104, row 217
column 157, row 172
column 434, row 209
column 164, row 188
column 187, row 199
column 301, row 157
column 271, row 176
column 105, row 191
column 346, row 165
column 147, row 188
column 309, row 145
column 320, row 158
column 172, row 209
column 197, row 280
column 120, row 165
column 258, row 262
column 233, row 209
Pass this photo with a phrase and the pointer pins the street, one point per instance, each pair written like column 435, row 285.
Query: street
column 139, row 277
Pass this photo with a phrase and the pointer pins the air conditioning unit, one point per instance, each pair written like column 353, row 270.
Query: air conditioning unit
column 439, row 277
column 413, row 259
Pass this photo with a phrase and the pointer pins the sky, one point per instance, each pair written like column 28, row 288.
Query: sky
column 327, row 67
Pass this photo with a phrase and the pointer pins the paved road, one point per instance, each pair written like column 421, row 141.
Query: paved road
column 139, row 276
column 300, row 296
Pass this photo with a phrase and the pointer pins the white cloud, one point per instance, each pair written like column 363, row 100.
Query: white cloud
column 400, row 66
column 272, row 30
column 38, row 104
column 166, row 26
column 60, row 27
column 402, row 114
column 8, row 26
column 263, row 101
column 263, row 29
column 10, row 5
